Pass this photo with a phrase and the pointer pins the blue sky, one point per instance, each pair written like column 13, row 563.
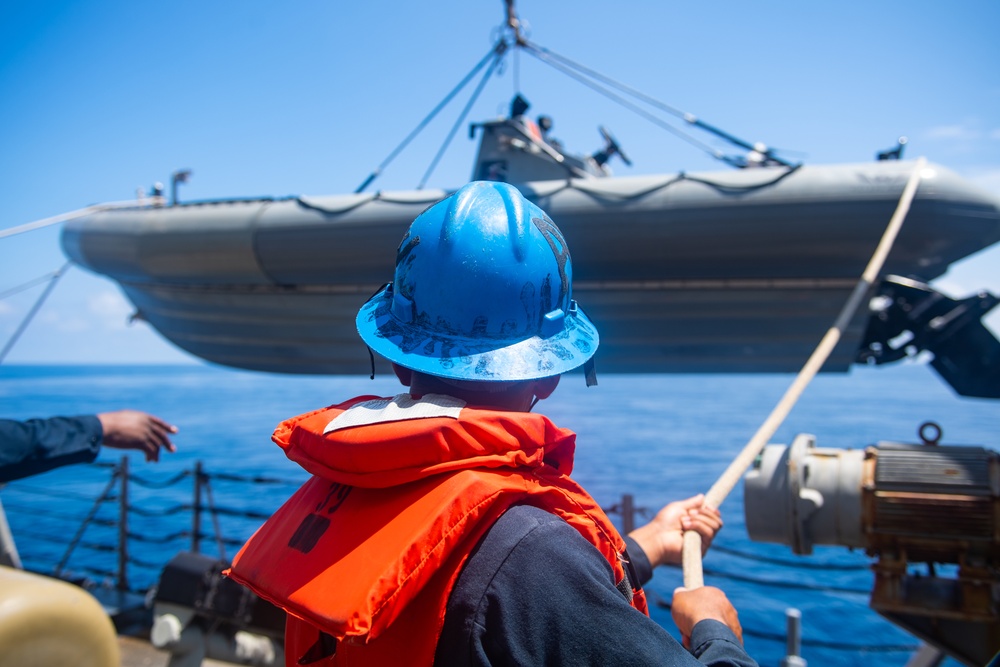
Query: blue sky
column 102, row 97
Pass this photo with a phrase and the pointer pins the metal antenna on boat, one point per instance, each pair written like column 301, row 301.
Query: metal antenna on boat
column 179, row 176
column 691, row 555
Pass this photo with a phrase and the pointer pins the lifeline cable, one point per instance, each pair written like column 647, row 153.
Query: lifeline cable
column 691, row 555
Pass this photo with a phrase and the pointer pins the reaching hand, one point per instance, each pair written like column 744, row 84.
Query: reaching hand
column 689, row 607
column 131, row 429
column 663, row 538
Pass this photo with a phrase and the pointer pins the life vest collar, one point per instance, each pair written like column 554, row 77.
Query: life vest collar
column 386, row 442
column 398, row 408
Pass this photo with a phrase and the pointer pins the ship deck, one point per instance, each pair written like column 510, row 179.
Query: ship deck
column 137, row 652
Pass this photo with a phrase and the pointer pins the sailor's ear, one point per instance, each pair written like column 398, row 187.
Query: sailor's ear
column 545, row 386
column 405, row 375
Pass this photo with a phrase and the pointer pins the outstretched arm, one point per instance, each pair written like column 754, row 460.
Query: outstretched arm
column 132, row 429
column 35, row 446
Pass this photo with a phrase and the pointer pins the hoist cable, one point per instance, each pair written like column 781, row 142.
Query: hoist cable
column 34, row 311
column 544, row 56
column 498, row 47
column 501, row 47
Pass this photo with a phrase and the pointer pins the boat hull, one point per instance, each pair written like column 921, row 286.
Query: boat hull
column 722, row 272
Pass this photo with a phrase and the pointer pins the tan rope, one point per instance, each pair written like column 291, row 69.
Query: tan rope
column 691, row 555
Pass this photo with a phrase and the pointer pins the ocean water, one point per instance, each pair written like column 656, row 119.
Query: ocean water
column 657, row 437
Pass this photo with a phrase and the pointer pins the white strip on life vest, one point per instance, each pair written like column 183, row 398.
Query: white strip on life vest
column 397, row 408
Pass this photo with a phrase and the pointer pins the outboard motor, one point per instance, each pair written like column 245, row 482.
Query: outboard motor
column 908, row 317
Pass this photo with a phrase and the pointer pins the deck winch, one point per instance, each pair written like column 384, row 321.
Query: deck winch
column 906, row 505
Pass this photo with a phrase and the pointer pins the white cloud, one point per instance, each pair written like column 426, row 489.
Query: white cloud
column 64, row 322
column 111, row 308
column 73, row 325
column 961, row 132
column 967, row 131
column 987, row 178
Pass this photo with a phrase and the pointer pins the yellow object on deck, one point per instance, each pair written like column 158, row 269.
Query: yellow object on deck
column 47, row 622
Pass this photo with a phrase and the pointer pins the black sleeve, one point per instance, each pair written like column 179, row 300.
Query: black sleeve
column 536, row 592
column 640, row 561
column 38, row 445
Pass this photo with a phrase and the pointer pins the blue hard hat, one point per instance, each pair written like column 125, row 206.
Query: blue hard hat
column 482, row 291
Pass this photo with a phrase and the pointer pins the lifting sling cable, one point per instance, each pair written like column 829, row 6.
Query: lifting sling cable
column 63, row 217
column 544, row 53
column 545, row 56
column 501, row 47
column 34, row 310
column 497, row 48
column 691, row 555
column 28, row 285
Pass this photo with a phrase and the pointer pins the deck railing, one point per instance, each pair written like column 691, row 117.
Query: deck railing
column 138, row 524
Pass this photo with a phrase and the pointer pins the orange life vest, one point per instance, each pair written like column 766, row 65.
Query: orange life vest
column 367, row 551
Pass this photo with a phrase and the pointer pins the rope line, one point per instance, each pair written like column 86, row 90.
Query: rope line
column 691, row 556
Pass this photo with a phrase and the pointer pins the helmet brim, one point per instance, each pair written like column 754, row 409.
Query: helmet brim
column 484, row 359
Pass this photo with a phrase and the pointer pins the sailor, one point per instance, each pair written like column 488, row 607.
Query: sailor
column 441, row 525
column 518, row 108
column 545, row 126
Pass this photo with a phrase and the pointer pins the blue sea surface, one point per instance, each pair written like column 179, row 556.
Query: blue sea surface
column 657, row 437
